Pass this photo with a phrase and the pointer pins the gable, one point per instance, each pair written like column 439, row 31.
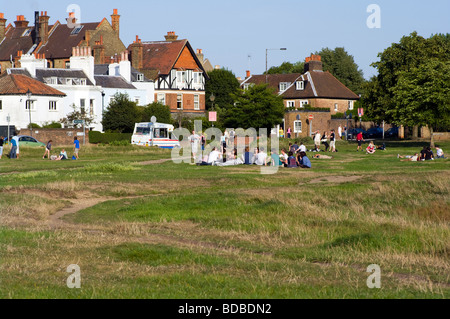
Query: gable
column 186, row 61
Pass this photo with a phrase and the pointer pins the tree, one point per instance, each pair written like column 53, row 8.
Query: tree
column 121, row 115
column 77, row 114
column 342, row 65
column 422, row 96
column 257, row 107
column 222, row 83
column 382, row 97
column 160, row 111
column 287, row 68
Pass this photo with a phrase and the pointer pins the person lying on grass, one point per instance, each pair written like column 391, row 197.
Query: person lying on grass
column 319, row 156
column 409, row 158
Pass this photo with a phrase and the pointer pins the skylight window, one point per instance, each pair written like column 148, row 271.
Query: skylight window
column 26, row 33
column 76, row 30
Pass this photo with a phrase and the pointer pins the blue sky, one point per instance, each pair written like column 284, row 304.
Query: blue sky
column 235, row 34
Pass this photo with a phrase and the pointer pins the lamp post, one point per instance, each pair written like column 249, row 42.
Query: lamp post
column 267, row 54
column 29, row 94
column 212, row 98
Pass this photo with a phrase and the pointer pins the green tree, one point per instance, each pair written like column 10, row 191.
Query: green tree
column 342, row 65
column 77, row 114
column 160, row 111
column 257, row 107
column 222, row 83
column 422, row 96
column 287, row 68
column 121, row 115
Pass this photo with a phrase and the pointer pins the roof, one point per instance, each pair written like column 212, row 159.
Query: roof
column 62, row 73
column 160, row 57
column 113, row 82
column 14, row 42
column 16, row 84
column 103, row 69
column 317, row 84
column 20, row 71
column 61, row 40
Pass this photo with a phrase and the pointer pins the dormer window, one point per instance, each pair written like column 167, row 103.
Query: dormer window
column 284, row 86
column 300, row 85
column 83, row 82
column 51, row 81
column 26, row 33
column 76, row 30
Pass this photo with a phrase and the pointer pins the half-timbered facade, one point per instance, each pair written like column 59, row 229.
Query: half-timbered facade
column 178, row 74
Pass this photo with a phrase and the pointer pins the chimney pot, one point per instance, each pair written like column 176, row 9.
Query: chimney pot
column 248, row 74
column 2, row 15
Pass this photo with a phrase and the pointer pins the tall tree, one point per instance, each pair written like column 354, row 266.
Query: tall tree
column 257, row 107
column 342, row 65
column 160, row 111
column 287, row 68
column 121, row 115
column 222, row 83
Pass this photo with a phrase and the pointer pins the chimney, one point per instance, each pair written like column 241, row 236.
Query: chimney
column 137, row 54
column 43, row 27
column 2, row 26
column 82, row 59
column 36, row 33
column 21, row 22
column 200, row 55
column 248, row 74
column 99, row 51
column 171, row 36
column 72, row 20
column 313, row 63
column 115, row 22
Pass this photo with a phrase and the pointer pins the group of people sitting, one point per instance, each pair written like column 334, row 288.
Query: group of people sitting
column 257, row 157
column 425, row 155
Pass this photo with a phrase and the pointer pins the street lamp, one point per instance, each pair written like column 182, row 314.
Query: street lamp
column 212, row 98
column 29, row 94
column 267, row 53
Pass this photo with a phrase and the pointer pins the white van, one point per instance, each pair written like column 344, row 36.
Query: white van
column 155, row 134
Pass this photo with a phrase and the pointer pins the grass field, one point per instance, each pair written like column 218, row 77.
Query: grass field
column 142, row 227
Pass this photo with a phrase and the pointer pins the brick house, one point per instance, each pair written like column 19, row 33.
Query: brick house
column 314, row 88
column 55, row 42
column 175, row 68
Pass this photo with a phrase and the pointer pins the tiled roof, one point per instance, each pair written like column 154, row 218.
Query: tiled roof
column 20, row 71
column 15, row 84
column 14, row 42
column 62, row 73
column 103, row 69
column 113, row 82
column 273, row 80
column 61, row 40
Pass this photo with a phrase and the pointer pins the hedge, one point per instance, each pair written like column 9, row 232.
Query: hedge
column 108, row 138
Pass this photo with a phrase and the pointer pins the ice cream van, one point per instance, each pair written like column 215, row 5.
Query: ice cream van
column 155, row 134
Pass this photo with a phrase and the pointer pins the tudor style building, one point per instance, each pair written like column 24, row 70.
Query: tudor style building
column 178, row 73
column 55, row 42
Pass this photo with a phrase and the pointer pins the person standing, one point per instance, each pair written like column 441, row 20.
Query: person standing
column 333, row 141
column 360, row 140
column 325, row 141
column 317, row 141
column 281, row 132
column 340, row 132
column 194, row 139
column 289, row 133
column 203, row 141
column 1, row 147
column 76, row 147
column 48, row 150
column 16, row 138
column 13, row 151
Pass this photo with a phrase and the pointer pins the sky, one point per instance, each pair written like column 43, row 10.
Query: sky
column 235, row 34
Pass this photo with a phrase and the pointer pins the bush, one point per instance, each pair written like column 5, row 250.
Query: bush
column 110, row 138
column 52, row 125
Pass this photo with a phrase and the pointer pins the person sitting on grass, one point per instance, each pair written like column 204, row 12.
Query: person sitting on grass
column 302, row 148
column 260, row 158
column 439, row 153
column 292, row 161
column 248, row 157
column 304, row 161
column 284, row 157
column 427, row 154
column 371, row 148
column 274, row 159
column 409, row 158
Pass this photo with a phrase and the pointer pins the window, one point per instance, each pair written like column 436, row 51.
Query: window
column 297, row 126
column 76, row 30
column 180, row 101
column 91, row 108
column 198, row 78
column 83, row 82
column 284, row 86
column 51, row 81
column 162, row 98
column 52, row 106
column 196, row 102
column 351, row 105
column 290, row 103
column 1, row 105
column 246, row 86
column 181, row 76
column 336, row 107
column 140, row 77
column 26, row 33
column 29, row 105
column 300, row 85
column 67, row 64
column 136, row 99
column 69, row 82
column 83, row 106
column 303, row 103
column 160, row 133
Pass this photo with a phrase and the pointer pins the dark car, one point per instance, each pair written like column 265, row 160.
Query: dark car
column 352, row 133
column 374, row 132
column 392, row 132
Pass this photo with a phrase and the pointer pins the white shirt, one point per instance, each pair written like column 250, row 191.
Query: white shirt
column 261, row 159
column 194, row 141
column 317, row 139
column 440, row 152
column 302, row 149
column 213, row 157
column 340, row 131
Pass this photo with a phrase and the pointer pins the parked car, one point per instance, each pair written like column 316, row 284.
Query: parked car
column 392, row 132
column 352, row 133
column 27, row 141
column 374, row 132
